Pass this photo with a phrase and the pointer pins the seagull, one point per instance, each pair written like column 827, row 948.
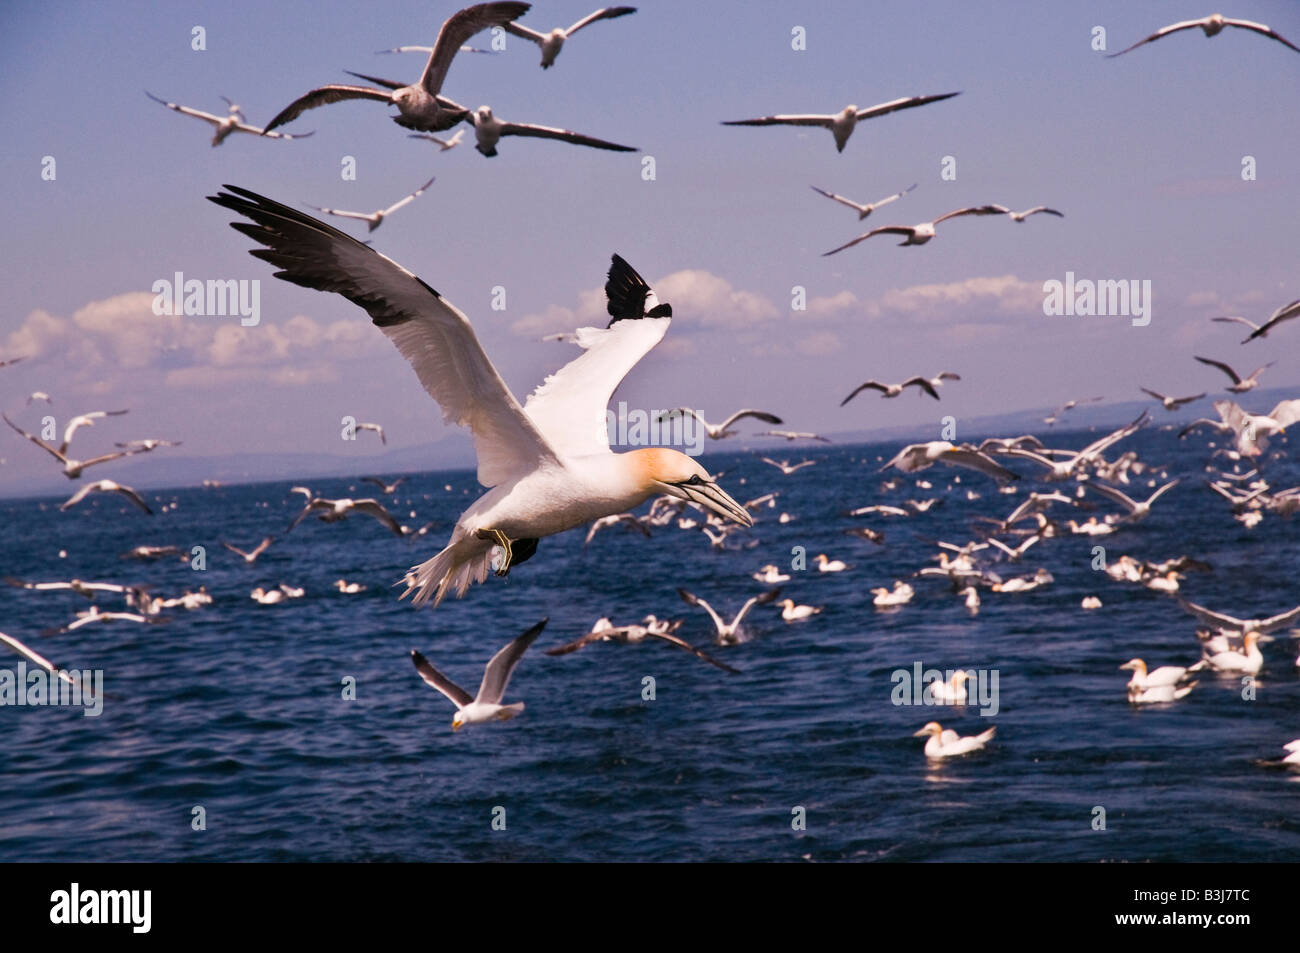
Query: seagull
column 1284, row 313
column 1212, row 25
column 376, row 218
column 33, row 656
column 230, row 123
column 251, row 557
column 1233, row 624
column 606, row 631
column 486, row 705
column 1136, row 511
column 340, row 509
column 377, row 429
column 39, row 395
column 443, row 144
column 792, row 435
column 1069, row 405
column 72, row 469
column 419, row 106
column 719, row 431
column 893, row 390
column 921, row 233
column 786, row 467
column 791, row 612
column 920, row 456
column 1021, row 216
column 548, row 463
column 106, row 486
column 488, row 130
column 1238, row 386
column 946, row 744
column 729, row 633
column 863, row 210
column 1064, row 469
column 388, row 489
column 841, row 123
column 551, row 43
column 627, row 519
column 1171, row 403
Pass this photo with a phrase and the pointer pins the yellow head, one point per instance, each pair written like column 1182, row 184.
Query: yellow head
column 661, row 470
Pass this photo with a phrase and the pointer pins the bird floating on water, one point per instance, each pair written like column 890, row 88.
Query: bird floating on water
column 945, row 743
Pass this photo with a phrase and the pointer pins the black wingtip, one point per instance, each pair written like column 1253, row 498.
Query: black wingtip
column 625, row 290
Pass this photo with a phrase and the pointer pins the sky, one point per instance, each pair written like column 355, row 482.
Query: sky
column 1143, row 154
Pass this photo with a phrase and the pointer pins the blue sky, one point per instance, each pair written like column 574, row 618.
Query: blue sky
column 1142, row 153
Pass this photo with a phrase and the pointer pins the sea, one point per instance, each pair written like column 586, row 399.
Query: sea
column 301, row 732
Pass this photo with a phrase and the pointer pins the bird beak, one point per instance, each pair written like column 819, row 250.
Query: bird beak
column 715, row 499
column 919, row 734
column 455, row 726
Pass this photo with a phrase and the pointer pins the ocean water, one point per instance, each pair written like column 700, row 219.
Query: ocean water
column 238, row 708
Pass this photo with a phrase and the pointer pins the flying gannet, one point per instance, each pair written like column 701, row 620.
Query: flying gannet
column 1135, row 510
column 335, row 510
column 443, row 144
column 72, row 469
column 719, row 431
column 728, row 633
column 786, row 467
column 488, row 130
column 250, row 556
column 548, row 463
column 375, row 219
column 1036, row 210
column 652, row 628
column 1212, row 25
column 841, row 124
column 486, row 705
column 388, row 489
column 863, row 210
column 33, row 656
column 552, row 42
column 792, row 435
column 921, row 233
column 920, row 456
column 230, row 123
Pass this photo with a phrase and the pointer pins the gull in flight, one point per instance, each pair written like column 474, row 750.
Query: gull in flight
column 1171, row 403
column 792, row 435
column 548, row 463
column 786, row 467
column 388, row 489
column 488, row 130
column 894, row 390
column 627, row 519
column 377, row 429
column 551, row 43
column 841, row 123
column 1238, row 386
column 251, row 556
column 863, row 210
column 1253, row 430
column 12, row 360
column 945, row 743
column 922, row 233
column 1136, row 511
column 1284, row 313
column 419, row 106
column 1069, row 405
column 1212, row 25
column 653, row 628
column 719, row 431
column 336, row 510
column 94, row 614
column 72, row 469
column 33, row 656
column 376, row 219
column 919, row 456
column 231, row 123
column 1064, row 469
column 1021, row 216
column 486, row 705
column 150, row 443
column 106, row 486
column 39, row 395
column 729, row 632
column 443, row 144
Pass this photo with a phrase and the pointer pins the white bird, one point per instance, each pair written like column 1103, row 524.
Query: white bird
column 1024, row 583
column 771, row 575
column 1015, row 554
column 1164, row 677
column 552, row 42
column 972, row 598
column 1253, row 430
column 719, row 431
column 106, row 486
column 863, row 210
column 388, row 489
column 443, row 144
column 1171, row 403
column 1090, row 602
column 419, row 106
column 1069, row 466
column 1160, row 694
column 94, row 614
column 920, row 233
column 1238, row 385
column 841, row 124
column 1037, row 209
column 377, row 429
column 825, row 564
column 1212, row 25
column 548, row 463
column 33, row 656
column 894, row 390
column 627, row 519
column 349, row 588
column 652, row 628
column 72, row 469
column 1242, row 626
column 1284, row 313
column 792, row 435
column 1069, row 405
column 920, row 456
column 486, row 705
column 488, row 130
column 250, row 556
column 232, row 122
column 1249, row 660
column 786, row 467
column 39, row 395
column 1135, row 510
column 335, row 510
column 267, row 597
column 292, row 592
column 900, row 595
column 728, row 633
column 946, row 743
column 792, row 612
column 375, row 219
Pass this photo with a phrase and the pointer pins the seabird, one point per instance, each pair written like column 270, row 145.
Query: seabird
column 826, row 564
column 488, row 130
column 388, row 489
column 1171, row 403
column 792, row 435
column 792, row 612
column 626, row 519
column 72, row 469
column 1253, row 430
column 420, row 107
column 953, row 691
column 375, row 219
column 946, row 743
column 841, row 124
column 251, row 557
column 1233, row 624
column 728, row 632
column 486, row 705
column 1069, row 405
column 920, row 456
column 267, row 597
column 106, row 486
column 1238, row 385
column 1284, row 313
column 719, row 431
column 39, row 395
column 1135, row 510
column 1164, row 677
column 1212, row 25
column 336, row 510
column 230, row 123
column 770, row 575
column 863, row 210
column 377, row 429
column 552, row 42
column 33, row 656
column 786, row 467
column 1074, row 460
column 894, row 390
column 443, row 144
column 900, row 595
column 921, row 233
column 653, row 628
column 548, row 463
column 1248, row 660
column 1021, row 216
column 94, row 614
column 149, row 443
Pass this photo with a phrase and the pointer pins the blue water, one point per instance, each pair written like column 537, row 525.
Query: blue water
column 237, row 707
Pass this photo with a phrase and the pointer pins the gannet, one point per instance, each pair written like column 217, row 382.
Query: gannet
column 770, row 575
column 1136, row 510
column 826, row 564
column 1015, row 554
column 1166, row 583
column 863, row 210
column 33, row 656
column 1212, row 25
column 94, row 614
column 72, row 469
column 1171, row 403
column 1090, row 527
column 1166, row 676
column 719, row 431
column 348, row 588
column 375, row 219
column 250, row 556
column 1284, row 313
column 921, row 233
column 486, row 705
column 388, row 489
column 1253, row 430
column 1024, row 583
column 1069, row 467
column 972, row 598
column 230, row 123
column 792, row 435
column 1238, row 386
column 946, row 744
column 920, row 456
column 81, row 588
column 841, row 123
column 419, row 106
column 377, row 429
column 953, row 691
column 1069, row 405
column 39, row 395
column 786, row 467
column 488, row 130
column 867, row 533
column 552, row 42
column 155, row 552
column 106, row 486
column 894, row 390
column 12, row 360
column 1233, row 624
column 728, row 633
column 652, row 628
column 626, row 519
column 443, row 144
column 1090, row 602
column 902, row 593
column 1249, row 660
column 1037, row 209
column 335, row 510
column 267, row 597
column 548, row 463
column 793, row 612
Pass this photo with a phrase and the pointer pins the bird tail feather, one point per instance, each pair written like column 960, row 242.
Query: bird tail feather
column 466, row 560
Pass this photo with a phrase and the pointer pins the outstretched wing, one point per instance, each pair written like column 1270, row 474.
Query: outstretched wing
column 459, row 697
column 497, row 674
